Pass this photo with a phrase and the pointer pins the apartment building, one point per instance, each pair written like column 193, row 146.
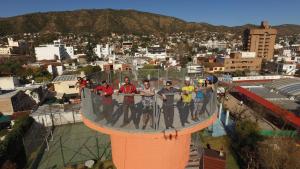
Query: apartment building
column 242, row 61
column 56, row 51
column 261, row 40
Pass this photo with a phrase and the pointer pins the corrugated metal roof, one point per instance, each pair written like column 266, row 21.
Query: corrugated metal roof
column 65, row 78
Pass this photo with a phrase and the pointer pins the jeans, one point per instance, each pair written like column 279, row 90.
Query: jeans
column 126, row 108
column 168, row 111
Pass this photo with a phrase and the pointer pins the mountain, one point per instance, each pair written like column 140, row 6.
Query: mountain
column 104, row 21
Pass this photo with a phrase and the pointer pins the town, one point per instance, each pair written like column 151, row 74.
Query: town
column 49, row 83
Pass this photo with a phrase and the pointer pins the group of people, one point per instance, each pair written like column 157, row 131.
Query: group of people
column 187, row 104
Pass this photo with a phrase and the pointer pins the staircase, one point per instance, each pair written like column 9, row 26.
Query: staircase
column 194, row 159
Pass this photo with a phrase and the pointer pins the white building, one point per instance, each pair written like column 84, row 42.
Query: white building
column 5, row 50
column 12, row 43
column 195, row 69
column 65, row 85
column 48, row 52
column 287, row 68
column 293, row 59
column 102, row 51
column 127, row 45
column 211, row 44
column 156, row 52
column 8, row 83
column 55, row 51
column 55, row 70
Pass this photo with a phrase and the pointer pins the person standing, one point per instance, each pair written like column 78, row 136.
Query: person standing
column 167, row 93
column 187, row 101
column 199, row 98
column 106, row 91
column 81, row 84
column 129, row 90
column 147, row 94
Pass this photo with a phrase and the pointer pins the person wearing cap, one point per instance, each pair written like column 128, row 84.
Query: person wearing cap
column 147, row 93
column 187, row 102
column 128, row 89
column 209, row 89
column 167, row 93
column 106, row 91
column 199, row 98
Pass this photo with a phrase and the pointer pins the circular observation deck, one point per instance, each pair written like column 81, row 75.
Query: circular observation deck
column 163, row 143
column 127, row 115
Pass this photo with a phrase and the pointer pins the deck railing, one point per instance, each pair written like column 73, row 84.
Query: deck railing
column 131, row 112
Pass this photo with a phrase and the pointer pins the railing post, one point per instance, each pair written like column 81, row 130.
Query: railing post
column 97, row 145
column 227, row 117
column 61, row 150
column 220, row 110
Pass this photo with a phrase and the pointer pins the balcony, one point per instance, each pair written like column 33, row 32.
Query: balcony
column 130, row 116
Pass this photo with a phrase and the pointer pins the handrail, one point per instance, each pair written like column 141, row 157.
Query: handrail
column 137, row 113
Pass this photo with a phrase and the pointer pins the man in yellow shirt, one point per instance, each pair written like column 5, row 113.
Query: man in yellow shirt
column 187, row 102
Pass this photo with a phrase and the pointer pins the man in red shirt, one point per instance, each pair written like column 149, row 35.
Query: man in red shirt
column 129, row 90
column 106, row 91
column 81, row 83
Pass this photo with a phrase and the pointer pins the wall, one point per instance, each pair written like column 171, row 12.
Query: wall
column 5, row 51
column 47, row 53
column 58, row 118
column 236, row 62
column 8, row 83
column 64, row 87
column 6, row 106
column 246, row 78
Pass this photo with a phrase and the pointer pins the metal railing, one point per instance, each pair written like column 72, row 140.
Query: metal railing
column 133, row 112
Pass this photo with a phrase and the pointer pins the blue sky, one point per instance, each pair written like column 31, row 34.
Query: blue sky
column 218, row 12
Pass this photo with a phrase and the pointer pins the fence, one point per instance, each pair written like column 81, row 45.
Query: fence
column 129, row 111
column 57, row 114
column 73, row 145
column 156, row 76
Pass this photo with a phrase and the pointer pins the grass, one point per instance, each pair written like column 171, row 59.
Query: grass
column 217, row 143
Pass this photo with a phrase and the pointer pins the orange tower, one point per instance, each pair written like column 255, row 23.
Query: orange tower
column 152, row 147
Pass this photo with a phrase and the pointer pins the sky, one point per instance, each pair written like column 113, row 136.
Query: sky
column 217, row 12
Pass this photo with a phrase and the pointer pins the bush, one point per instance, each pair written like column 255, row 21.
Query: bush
column 12, row 148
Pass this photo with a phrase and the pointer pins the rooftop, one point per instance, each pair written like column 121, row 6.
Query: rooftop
column 65, row 78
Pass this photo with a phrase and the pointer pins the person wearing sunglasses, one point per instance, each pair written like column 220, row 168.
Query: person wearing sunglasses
column 147, row 93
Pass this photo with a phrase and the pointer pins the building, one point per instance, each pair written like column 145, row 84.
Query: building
column 56, row 51
column 261, row 40
column 65, row 85
column 103, row 51
column 195, row 69
column 5, row 51
column 214, row 67
column 127, row 45
column 8, row 83
column 242, row 61
column 287, row 68
column 12, row 43
column 212, row 159
column 156, row 52
column 15, row 101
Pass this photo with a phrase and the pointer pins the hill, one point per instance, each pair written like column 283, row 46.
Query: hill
column 104, row 21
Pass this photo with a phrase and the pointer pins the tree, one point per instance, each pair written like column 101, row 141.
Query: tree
column 245, row 140
column 89, row 51
column 279, row 153
column 90, row 69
